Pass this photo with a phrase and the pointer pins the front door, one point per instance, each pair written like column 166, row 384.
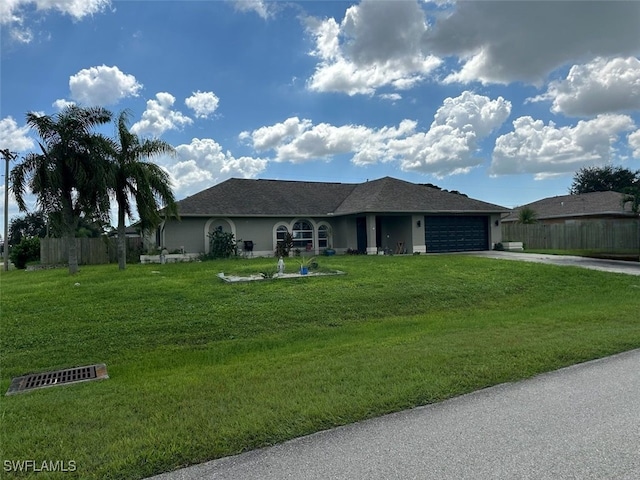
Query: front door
column 361, row 232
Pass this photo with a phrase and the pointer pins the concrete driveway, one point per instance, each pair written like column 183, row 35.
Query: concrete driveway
column 580, row 422
column 616, row 266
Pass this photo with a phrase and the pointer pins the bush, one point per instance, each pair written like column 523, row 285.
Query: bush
column 498, row 246
column 222, row 244
column 28, row 250
column 283, row 247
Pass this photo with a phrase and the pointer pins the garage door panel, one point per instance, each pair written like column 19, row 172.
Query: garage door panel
column 456, row 233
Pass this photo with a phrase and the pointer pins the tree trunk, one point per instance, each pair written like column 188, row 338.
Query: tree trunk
column 122, row 241
column 70, row 239
column 69, row 226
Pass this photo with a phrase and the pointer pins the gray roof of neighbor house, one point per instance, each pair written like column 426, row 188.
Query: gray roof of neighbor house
column 244, row 197
column 582, row 205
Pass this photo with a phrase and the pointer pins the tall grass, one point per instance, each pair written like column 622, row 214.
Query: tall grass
column 201, row 369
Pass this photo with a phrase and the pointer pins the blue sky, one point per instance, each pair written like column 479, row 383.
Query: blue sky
column 503, row 101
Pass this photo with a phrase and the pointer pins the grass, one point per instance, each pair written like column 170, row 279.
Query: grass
column 201, row 369
column 628, row 255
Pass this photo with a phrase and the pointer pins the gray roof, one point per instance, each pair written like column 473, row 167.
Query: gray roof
column 582, row 205
column 245, row 197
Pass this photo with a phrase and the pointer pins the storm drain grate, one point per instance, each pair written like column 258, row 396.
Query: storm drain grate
column 60, row 377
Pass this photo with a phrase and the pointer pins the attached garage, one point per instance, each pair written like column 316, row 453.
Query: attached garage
column 456, row 233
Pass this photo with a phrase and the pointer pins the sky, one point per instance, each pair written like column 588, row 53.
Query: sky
column 501, row 100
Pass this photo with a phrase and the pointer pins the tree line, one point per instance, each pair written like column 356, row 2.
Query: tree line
column 77, row 172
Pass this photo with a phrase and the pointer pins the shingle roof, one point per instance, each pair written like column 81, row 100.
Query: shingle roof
column 392, row 195
column 585, row 204
column 245, row 197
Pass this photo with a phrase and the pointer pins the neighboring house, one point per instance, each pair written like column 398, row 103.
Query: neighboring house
column 575, row 209
column 387, row 213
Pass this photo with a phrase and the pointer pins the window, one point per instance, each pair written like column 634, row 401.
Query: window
column 281, row 233
column 323, row 236
column 302, row 234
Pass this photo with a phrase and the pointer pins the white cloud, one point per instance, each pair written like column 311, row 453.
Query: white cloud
column 14, row 13
column 380, row 47
column 546, row 150
column 393, row 97
column 261, row 7
column 634, row 143
column 202, row 103
column 14, row 138
column 266, row 138
column 447, row 148
column 13, row 10
column 451, row 144
column 102, row 86
column 61, row 103
column 202, row 163
column 159, row 117
column 24, row 35
column 600, row 86
column 502, row 42
column 296, row 140
column 323, row 141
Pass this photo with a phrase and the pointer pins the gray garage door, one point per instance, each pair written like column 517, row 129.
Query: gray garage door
column 456, row 233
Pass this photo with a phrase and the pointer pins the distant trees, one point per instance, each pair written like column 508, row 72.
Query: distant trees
column 27, row 225
column 603, row 179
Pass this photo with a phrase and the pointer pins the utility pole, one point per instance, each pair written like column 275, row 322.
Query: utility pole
column 8, row 156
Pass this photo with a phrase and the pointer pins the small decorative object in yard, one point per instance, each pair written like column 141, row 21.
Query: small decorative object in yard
column 307, row 263
column 280, row 266
column 272, row 275
column 163, row 255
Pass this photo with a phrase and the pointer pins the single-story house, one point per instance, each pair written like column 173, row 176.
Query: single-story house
column 380, row 215
column 576, row 209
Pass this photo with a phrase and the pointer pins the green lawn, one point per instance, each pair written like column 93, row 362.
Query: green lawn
column 629, row 255
column 201, row 369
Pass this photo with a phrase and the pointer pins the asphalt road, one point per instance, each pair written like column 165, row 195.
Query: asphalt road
column 580, row 422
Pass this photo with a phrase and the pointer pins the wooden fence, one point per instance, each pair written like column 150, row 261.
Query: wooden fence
column 91, row 251
column 604, row 236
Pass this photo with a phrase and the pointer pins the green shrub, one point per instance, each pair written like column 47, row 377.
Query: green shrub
column 28, row 250
column 283, row 247
column 222, row 244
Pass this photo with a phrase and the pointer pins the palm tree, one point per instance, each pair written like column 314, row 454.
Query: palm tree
column 527, row 216
column 134, row 177
column 69, row 177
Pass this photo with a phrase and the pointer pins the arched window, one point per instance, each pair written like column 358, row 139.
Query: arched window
column 281, row 233
column 302, row 234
